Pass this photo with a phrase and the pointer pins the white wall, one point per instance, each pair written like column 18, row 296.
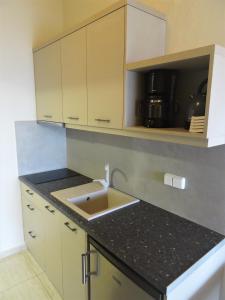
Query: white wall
column 195, row 23
column 191, row 23
column 79, row 10
column 22, row 23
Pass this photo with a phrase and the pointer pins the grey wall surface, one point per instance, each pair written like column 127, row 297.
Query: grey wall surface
column 139, row 166
column 40, row 147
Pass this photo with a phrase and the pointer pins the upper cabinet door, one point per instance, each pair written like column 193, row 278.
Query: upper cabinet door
column 47, row 65
column 105, row 70
column 74, row 78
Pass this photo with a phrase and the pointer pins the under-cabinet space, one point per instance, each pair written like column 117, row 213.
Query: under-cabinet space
column 186, row 112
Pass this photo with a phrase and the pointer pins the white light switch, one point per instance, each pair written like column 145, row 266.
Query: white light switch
column 175, row 181
column 168, row 179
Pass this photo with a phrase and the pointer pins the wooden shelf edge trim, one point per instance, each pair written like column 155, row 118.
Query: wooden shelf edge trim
column 198, row 141
column 173, row 57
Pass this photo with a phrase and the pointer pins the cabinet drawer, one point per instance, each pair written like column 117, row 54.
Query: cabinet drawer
column 32, row 196
column 33, row 230
column 27, row 192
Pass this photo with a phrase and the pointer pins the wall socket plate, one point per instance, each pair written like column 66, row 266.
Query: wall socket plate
column 175, row 181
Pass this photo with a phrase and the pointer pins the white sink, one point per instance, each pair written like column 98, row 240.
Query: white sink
column 92, row 200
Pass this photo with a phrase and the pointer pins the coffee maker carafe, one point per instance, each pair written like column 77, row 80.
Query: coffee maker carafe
column 159, row 105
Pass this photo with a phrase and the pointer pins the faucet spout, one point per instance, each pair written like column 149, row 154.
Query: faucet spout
column 105, row 182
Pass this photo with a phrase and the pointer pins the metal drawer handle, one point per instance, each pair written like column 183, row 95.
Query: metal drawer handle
column 33, row 236
column 103, row 120
column 67, row 224
column 29, row 192
column 85, row 274
column 50, row 210
column 74, row 118
column 116, row 280
column 48, row 116
column 30, row 208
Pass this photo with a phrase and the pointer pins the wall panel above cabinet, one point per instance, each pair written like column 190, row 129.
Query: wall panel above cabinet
column 74, row 78
column 145, row 35
column 47, row 66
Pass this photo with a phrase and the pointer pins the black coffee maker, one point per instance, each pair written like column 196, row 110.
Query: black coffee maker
column 159, row 106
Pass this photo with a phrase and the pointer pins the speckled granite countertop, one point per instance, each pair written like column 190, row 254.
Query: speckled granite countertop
column 156, row 245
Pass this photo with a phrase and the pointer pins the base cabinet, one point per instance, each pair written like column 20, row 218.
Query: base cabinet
column 53, row 259
column 56, row 243
column 73, row 245
column 109, row 283
column 33, row 230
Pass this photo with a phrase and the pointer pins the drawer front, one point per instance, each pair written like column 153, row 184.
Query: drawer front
column 32, row 196
column 27, row 192
column 33, row 230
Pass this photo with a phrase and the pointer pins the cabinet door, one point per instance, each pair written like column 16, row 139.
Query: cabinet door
column 33, row 231
column 105, row 70
column 47, row 65
column 111, row 284
column 53, row 258
column 74, row 78
column 73, row 245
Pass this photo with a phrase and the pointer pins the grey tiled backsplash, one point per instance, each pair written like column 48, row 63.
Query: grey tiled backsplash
column 39, row 147
column 139, row 165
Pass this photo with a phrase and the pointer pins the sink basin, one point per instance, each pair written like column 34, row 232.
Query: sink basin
column 92, row 200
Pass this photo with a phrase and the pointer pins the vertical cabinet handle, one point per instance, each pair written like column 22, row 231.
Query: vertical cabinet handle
column 32, row 235
column 29, row 192
column 85, row 273
column 67, row 224
column 49, row 209
column 29, row 207
column 84, row 268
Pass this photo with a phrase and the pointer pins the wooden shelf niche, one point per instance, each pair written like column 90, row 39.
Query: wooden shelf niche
column 192, row 67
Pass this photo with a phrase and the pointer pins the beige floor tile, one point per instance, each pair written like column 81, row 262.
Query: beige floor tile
column 32, row 263
column 14, row 270
column 49, row 287
column 29, row 290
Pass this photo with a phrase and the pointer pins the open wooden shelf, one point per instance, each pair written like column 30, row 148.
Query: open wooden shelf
column 192, row 67
column 181, row 132
column 190, row 59
column 206, row 61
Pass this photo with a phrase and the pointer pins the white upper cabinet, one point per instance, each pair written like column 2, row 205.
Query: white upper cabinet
column 74, row 81
column 47, row 66
column 80, row 77
column 105, row 70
